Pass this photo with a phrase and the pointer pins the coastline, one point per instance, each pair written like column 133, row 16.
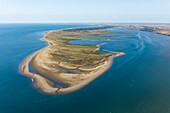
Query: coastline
column 47, row 86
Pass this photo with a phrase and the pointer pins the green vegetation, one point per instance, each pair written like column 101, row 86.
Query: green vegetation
column 74, row 56
column 62, row 67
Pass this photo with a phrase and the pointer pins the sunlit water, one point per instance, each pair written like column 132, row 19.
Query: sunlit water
column 138, row 82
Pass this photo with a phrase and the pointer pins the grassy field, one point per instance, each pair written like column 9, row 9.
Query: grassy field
column 72, row 56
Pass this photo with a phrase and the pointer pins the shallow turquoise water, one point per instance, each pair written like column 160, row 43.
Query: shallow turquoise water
column 138, row 82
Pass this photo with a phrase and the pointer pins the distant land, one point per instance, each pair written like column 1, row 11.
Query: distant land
column 157, row 28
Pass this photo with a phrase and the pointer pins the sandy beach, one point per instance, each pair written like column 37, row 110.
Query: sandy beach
column 47, row 86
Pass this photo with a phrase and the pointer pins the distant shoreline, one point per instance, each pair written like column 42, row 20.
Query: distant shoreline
column 47, row 86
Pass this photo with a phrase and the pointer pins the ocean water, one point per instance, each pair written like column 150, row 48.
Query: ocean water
column 138, row 82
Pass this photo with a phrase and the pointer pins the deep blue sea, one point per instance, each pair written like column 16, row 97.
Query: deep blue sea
column 138, row 82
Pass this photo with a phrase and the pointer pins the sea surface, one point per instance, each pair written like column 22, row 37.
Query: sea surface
column 138, row 82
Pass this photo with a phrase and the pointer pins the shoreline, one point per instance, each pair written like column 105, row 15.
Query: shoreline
column 47, row 86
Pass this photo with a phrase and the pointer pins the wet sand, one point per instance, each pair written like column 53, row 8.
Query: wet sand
column 47, row 86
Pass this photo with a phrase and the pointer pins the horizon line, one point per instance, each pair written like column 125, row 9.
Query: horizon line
column 57, row 22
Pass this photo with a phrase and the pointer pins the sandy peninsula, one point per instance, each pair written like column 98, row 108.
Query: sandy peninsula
column 62, row 67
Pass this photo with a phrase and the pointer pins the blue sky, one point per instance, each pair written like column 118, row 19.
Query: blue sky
column 85, row 11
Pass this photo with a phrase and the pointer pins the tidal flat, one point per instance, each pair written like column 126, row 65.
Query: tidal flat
column 63, row 67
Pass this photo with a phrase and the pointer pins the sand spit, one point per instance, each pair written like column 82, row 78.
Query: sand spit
column 47, row 86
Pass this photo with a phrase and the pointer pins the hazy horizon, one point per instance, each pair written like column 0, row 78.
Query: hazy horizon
column 78, row 11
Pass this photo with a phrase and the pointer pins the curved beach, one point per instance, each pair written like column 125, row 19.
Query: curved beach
column 48, row 86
